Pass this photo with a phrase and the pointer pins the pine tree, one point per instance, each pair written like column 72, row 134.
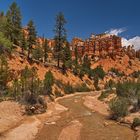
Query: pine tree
column 13, row 25
column 60, row 36
column 86, row 63
column 48, row 83
column 76, row 64
column 45, row 47
column 2, row 22
column 31, row 40
column 5, row 75
column 23, row 42
column 67, row 58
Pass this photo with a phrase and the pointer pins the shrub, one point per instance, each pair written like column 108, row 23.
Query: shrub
column 81, row 73
column 58, row 93
column 136, row 122
column 68, row 88
column 127, row 89
column 5, row 74
column 136, row 74
column 96, row 82
column 5, row 42
column 98, row 71
column 116, row 71
column 38, row 53
column 59, row 83
column 48, row 83
column 81, row 88
column 118, row 107
column 30, row 98
column 110, row 84
column 104, row 94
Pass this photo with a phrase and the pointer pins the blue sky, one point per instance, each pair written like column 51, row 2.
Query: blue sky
column 83, row 16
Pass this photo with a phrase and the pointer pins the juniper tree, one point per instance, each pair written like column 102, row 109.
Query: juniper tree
column 60, row 36
column 13, row 25
column 31, row 39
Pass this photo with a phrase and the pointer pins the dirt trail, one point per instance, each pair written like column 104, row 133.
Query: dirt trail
column 82, row 123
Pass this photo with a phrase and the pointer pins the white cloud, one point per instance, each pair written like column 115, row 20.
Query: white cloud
column 133, row 41
column 116, row 31
column 126, row 42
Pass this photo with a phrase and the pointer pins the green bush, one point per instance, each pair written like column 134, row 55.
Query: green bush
column 98, row 72
column 110, row 84
column 104, row 94
column 59, row 83
column 96, row 82
column 118, row 107
column 5, row 73
column 68, row 89
column 116, row 71
column 127, row 89
column 136, row 122
column 38, row 53
column 48, row 83
column 58, row 93
column 136, row 74
column 81, row 88
column 5, row 42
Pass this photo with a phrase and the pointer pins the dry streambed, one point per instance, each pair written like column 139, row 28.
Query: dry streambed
column 75, row 117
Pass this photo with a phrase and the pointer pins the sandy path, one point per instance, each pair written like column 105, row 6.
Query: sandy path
column 10, row 115
column 12, row 128
column 71, row 132
column 94, row 104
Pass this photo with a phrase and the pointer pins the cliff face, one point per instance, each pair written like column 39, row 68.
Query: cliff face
column 101, row 45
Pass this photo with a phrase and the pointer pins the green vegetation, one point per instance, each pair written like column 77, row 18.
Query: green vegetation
column 99, row 72
column 46, row 49
column 31, row 40
column 136, row 122
column 117, row 72
column 66, row 58
column 118, row 107
column 136, row 74
column 68, row 88
column 58, row 93
column 104, row 94
column 13, row 23
column 48, row 83
column 128, row 95
column 81, row 88
column 110, row 84
column 60, row 37
column 37, row 54
column 5, row 74
column 5, row 43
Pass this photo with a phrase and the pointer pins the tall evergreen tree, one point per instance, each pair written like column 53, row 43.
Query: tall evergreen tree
column 23, row 42
column 45, row 47
column 86, row 63
column 13, row 26
column 67, row 58
column 60, row 36
column 31, row 40
column 2, row 22
column 76, row 64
